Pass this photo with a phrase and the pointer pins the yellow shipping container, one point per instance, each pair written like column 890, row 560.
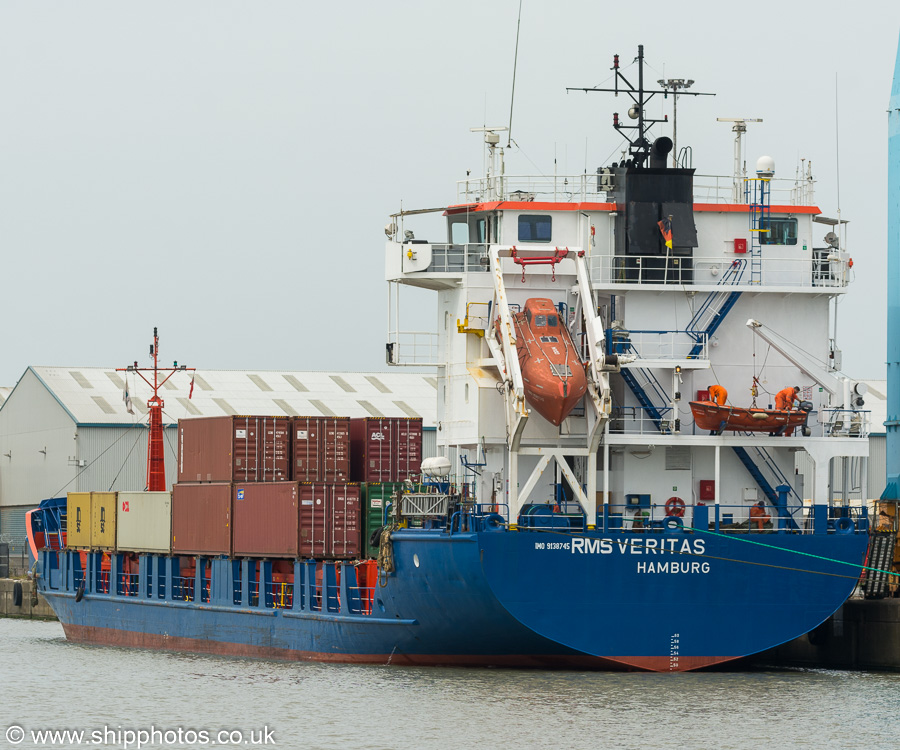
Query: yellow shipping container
column 103, row 520
column 78, row 520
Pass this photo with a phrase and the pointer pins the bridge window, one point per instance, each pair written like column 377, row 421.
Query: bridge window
column 534, row 228
column 781, row 232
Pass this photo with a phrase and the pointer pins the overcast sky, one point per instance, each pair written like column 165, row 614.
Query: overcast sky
column 223, row 170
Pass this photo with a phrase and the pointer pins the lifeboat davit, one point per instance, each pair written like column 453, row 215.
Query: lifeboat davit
column 552, row 372
column 710, row 416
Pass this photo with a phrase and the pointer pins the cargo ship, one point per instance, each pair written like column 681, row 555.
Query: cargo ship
column 577, row 517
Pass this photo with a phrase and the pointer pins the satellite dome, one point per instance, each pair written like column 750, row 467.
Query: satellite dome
column 765, row 166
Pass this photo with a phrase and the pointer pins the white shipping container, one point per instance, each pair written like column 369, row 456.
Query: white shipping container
column 144, row 522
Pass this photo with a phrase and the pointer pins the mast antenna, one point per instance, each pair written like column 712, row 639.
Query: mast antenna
column 512, row 96
column 639, row 144
column 156, row 460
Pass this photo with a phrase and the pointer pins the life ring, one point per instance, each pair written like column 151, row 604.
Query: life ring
column 675, row 507
column 844, row 526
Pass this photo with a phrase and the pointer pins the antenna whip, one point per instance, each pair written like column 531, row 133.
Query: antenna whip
column 512, row 96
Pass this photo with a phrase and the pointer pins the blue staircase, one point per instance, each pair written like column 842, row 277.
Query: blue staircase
column 776, row 498
column 715, row 307
column 650, row 409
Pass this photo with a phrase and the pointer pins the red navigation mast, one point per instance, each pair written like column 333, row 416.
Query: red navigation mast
column 156, row 461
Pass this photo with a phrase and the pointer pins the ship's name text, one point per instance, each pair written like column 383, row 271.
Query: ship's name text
column 644, row 547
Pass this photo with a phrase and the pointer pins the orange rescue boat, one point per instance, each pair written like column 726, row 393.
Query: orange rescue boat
column 552, row 372
column 717, row 419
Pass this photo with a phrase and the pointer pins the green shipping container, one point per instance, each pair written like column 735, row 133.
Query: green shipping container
column 376, row 497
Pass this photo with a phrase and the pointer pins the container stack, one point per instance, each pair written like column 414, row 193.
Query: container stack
column 261, row 487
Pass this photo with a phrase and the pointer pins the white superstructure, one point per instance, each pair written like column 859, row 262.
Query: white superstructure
column 676, row 319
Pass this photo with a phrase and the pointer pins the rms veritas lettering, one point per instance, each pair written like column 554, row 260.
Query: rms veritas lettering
column 650, row 547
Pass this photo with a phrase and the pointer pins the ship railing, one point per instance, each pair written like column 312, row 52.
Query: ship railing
column 412, row 348
column 722, row 519
column 592, row 187
column 820, row 268
column 281, row 595
column 531, row 188
column 453, row 258
column 845, row 422
column 478, row 516
column 657, row 344
column 128, row 584
column 183, row 588
column 723, row 189
column 361, row 599
column 637, row 420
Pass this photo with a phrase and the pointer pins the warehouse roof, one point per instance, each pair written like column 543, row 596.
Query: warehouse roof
column 94, row 395
column 4, row 394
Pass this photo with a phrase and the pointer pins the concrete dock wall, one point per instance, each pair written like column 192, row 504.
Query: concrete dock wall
column 863, row 634
column 8, row 607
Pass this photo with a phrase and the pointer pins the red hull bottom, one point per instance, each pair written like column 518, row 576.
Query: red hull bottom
column 131, row 639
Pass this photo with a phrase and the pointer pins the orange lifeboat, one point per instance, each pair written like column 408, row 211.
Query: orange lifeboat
column 717, row 419
column 552, row 372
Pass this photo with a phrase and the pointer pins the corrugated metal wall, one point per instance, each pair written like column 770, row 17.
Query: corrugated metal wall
column 123, row 465
column 12, row 526
column 429, row 442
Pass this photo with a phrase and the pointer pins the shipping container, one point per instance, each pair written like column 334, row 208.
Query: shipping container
column 78, row 520
column 266, row 520
column 201, row 519
column 385, row 449
column 144, row 522
column 344, row 523
column 376, row 496
column 103, row 520
column 234, row 449
column 321, row 449
column 313, row 504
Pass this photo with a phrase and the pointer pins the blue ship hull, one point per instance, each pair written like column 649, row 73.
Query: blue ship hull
column 668, row 601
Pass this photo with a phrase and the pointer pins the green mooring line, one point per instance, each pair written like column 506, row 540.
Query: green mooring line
column 793, row 551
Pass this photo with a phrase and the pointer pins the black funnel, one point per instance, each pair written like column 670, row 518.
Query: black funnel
column 659, row 151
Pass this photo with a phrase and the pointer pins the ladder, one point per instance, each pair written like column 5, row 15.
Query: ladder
column 760, row 199
column 881, row 557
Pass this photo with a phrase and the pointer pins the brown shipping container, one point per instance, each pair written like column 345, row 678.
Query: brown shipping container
column 321, row 449
column 234, row 449
column 201, row 519
column 344, row 521
column 266, row 520
column 313, row 504
column 385, row 449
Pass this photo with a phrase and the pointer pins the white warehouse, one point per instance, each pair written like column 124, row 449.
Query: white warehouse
column 65, row 429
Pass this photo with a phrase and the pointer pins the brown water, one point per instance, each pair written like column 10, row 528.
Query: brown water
column 49, row 683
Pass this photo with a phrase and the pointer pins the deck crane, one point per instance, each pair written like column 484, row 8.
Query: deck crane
column 845, row 396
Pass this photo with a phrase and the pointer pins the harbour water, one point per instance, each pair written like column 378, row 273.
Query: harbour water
column 49, row 683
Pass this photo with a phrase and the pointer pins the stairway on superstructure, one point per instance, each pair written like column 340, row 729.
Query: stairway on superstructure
column 705, row 322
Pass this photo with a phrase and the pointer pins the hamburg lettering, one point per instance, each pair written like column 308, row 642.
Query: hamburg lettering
column 673, row 567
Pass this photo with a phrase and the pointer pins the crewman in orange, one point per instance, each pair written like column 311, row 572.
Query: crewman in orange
column 759, row 516
column 785, row 398
column 718, row 394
